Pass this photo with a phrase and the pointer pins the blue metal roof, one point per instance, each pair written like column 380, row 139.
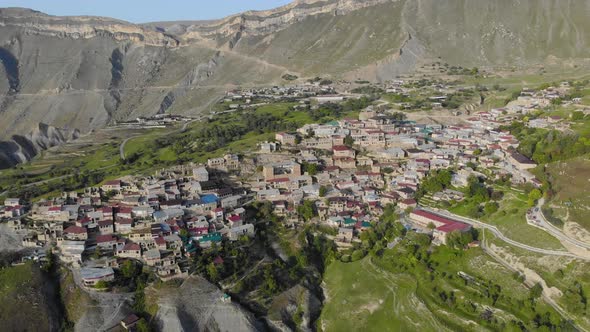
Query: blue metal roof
column 209, row 198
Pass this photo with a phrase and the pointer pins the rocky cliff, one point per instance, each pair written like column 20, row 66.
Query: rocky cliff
column 21, row 148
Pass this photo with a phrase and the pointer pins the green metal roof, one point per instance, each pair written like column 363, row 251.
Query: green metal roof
column 349, row 221
column 212, row 237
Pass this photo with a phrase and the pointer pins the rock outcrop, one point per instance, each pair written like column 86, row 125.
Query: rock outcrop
column 23, row 148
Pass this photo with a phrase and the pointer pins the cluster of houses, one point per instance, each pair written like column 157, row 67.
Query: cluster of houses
column 351, row 169
column 159, row 221
column 384, row 162
column 304, row 93
column 156, row 121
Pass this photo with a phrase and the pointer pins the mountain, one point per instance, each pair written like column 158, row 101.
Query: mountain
column 87, row 72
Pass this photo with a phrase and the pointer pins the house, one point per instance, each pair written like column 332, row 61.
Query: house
column 405, row 192
column 113, row 185
column 520, row 161
column 345, row 234
column 106, row 227
column 200, row 174
column 12, row 202
column 208, row 239
column 442, row 225
column 392, row 153
column 13, row 211
column 268, row 147
column 286, row 138
column 106, row 242
column 152, row 257
column 71, row 251
column 234, row 221
column 343, row 151
column 236, row 232
column 407, row 203
column 107, row 213
column 281, row 170
column 131, row 250
column 92, row 275
column 228, row 162
column 123, row 225
column 76, row 233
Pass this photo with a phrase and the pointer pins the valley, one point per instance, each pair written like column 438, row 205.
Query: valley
column 328, row 165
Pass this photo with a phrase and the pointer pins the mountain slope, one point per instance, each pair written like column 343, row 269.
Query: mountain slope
column 86, row 72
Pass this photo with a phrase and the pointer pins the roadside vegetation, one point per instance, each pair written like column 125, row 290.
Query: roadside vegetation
column 431, row 288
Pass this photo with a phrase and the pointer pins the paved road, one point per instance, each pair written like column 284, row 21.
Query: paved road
column 502, row 237
column 542, row 222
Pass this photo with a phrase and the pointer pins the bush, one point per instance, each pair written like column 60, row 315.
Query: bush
column 357, row 255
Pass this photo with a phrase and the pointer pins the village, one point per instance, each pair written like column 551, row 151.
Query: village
column 348, row 170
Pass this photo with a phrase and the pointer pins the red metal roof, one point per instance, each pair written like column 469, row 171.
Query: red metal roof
column 75, row 230
column 341, row 148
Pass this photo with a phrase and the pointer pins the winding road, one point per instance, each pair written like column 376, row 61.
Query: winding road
column 548, row 299
column 501, row 236
column 542, row 222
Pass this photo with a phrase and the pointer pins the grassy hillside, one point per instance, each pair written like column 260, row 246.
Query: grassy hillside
column 407, row 289
column 571, row 186
column 361, row 296
column 25, row 304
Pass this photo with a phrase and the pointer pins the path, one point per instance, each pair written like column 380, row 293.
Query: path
column 504, row 238
column 246, row 274
column 122, row 147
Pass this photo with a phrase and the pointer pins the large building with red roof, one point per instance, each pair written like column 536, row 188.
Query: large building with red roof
column 443, row 225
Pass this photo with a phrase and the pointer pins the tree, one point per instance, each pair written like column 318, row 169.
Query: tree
column 270, row 286
column 96, row 253
column 139, row 298
column 490, row 208
column 212, row 272
column 536, row 291
column 534, row 196
column 307, row 210
column 323, row 191
column 142, row 326
column 101, row 284
column 128, row 269
column 311, row 169
column 349, row 141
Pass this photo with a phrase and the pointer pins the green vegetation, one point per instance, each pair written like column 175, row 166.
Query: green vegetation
column 435, row 181
column 368, row 90
column 307, row 210
column 544, row 146
column 289, row 77
column 568, row 198
column 21, row 287
column 359, row 297
column 75, row 300
column 571, row 277
column 75, row 167
column 439, row 289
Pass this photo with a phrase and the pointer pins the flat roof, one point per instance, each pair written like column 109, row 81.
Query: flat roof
column 89, row 273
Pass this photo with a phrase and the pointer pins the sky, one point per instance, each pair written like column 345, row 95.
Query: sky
column 142, row 11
